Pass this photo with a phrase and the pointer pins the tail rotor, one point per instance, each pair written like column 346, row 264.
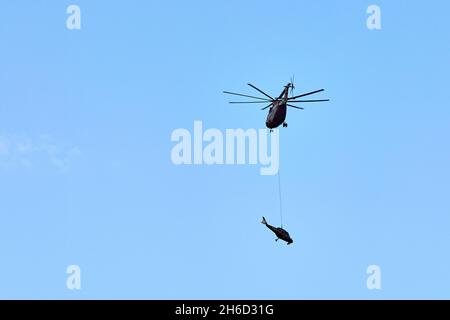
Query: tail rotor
column 292, row 86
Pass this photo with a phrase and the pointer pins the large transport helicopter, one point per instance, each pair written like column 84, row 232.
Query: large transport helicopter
column 278, row 106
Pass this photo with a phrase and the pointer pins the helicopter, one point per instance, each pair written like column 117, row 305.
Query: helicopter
column 278, row 106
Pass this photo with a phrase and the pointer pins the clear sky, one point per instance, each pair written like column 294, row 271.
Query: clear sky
column 86, row 176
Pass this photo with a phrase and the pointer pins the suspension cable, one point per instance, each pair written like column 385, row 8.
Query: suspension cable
column 279, row 194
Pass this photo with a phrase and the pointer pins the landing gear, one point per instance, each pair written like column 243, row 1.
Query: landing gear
column 271, row 130
column 276, row 239
column 284, row 125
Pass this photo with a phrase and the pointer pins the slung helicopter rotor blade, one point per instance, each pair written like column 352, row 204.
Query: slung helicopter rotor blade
column 260, row 91
column 267, row 106
column 321, row 100
column 248, row 101
column 290, row 105
column 244, row 95
column 305, row 94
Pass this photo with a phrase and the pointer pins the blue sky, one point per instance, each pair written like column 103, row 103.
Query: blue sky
column 86, row 176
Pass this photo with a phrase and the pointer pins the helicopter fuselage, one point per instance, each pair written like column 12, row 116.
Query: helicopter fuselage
column 278, row 106
column 277, row 114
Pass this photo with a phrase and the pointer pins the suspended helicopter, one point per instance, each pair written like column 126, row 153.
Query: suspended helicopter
column 278, row 106
column 279, row 232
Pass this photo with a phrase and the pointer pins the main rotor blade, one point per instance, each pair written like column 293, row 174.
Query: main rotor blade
column 248, row 101
column 267, row 106
column 244, row 95
column 260, row 91
column 321, row 100
column 290, row 105
column 306, row 94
